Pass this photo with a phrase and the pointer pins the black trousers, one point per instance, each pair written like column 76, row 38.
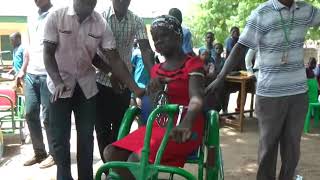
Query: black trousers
column 60, row 122
column 111, row 107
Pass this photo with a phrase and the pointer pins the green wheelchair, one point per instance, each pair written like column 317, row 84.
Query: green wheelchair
column 143, row 170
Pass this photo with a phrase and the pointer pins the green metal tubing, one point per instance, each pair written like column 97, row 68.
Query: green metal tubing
column 165, row 138
column 213, row 141
column 201, row 162
column 127, row 120
column 115, row 164
column 175, row 170
column 170, row 109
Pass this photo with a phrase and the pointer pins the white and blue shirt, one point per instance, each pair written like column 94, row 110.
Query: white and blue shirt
column 265, row 32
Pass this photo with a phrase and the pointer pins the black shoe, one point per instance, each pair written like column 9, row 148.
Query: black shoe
column 34, row 160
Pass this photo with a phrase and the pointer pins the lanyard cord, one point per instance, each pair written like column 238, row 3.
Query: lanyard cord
column 287, row 28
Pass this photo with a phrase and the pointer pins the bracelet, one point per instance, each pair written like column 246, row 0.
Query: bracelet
column 196, row 74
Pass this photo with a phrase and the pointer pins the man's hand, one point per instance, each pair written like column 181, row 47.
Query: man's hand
column 19, row 78
column 213, row 86
column 115, row 82
column 181, row 133
column 59, row 90
column 139, row 92
column 157, row 84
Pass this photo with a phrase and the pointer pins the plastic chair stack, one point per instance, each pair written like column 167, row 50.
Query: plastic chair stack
column 314, row 105
column 11, row 113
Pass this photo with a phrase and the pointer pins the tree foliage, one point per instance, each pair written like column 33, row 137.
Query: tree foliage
column 220, row 16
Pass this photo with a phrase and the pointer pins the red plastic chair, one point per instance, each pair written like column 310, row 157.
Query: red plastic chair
column 10, row 113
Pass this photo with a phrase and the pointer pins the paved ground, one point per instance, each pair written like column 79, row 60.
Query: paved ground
column 239, row 153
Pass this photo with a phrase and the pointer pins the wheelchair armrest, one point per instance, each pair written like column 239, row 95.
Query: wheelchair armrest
column 212, row 129
column 127, row 121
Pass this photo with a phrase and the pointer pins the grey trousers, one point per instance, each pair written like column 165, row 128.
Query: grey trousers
column 281, row 122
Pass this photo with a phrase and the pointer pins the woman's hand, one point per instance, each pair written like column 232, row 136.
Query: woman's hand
column 181, row 133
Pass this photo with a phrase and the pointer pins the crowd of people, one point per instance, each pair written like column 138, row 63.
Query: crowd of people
column 97, row 65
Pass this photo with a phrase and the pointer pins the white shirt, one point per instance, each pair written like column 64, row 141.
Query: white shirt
column 36, row 25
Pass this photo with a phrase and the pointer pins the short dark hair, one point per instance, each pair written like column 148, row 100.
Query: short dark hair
column 234, row 28
column 15, row 35
column 312, row 60
column 209, row 32
column 175, row 12
column 218, row 44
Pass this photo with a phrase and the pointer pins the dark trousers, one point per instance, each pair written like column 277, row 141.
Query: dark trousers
column 60, row 122
column 36, row 94
column 110, row 110
column 281, row 122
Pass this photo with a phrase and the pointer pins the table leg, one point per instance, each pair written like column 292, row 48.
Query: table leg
column 251, row 105
column 242, row 101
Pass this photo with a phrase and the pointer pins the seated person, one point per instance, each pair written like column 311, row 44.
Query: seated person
column 184, row 76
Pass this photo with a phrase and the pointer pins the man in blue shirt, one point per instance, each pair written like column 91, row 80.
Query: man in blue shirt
column 17, row 55
column 232, row 40
column 140, row 74
column 187, row 36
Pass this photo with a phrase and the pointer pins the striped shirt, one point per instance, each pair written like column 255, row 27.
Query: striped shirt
column 265, row 31
column 124, row 32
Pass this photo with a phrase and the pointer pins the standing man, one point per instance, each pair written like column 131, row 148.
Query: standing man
column 17, row 55
column 277, row 29
column 232, row 40
column 36, row 91
column 113, row 98
column 71, row 39
column 187, row 36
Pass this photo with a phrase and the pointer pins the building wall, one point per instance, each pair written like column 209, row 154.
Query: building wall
column 9, row 25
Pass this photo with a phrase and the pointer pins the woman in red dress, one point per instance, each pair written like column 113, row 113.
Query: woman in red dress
column 185, row 78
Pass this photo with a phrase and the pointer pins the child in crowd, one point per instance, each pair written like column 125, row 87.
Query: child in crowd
column 184, row 76
column 215, row 100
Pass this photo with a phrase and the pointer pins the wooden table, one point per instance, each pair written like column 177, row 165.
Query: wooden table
column 243, row 80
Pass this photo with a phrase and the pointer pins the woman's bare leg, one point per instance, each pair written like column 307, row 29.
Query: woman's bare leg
column 112, row 153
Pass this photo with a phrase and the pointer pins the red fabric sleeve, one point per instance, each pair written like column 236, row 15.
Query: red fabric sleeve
column 154, row 69
column 194, row 64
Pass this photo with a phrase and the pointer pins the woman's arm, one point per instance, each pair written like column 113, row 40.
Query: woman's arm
column 182, row 132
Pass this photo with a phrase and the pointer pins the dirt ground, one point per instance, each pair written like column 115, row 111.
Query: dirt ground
column 239, row 156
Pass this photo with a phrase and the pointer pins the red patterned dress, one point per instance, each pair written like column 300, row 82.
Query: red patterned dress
column 178, row 93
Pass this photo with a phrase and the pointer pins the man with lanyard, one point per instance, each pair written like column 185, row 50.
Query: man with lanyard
column 277, row 29
column 113, row 98
column 35, row 86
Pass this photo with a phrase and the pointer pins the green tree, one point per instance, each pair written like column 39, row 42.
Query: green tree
column 220, row 16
